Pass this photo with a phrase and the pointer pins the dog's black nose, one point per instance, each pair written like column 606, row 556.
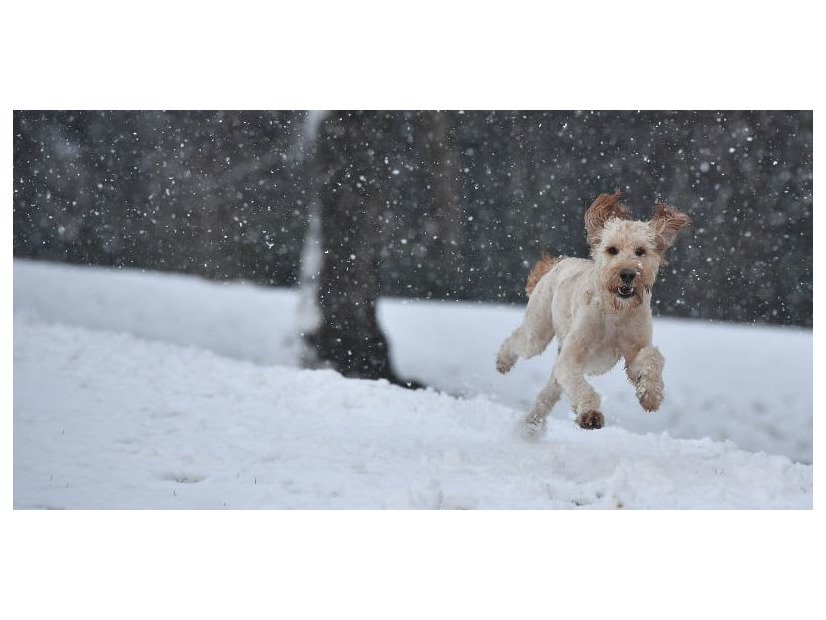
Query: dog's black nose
column 627, row 275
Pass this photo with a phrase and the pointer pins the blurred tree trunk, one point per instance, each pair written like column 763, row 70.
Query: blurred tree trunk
column 442, row 182
column 351, row 151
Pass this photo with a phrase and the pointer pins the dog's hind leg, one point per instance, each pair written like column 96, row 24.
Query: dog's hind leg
column 534, row 422
column 535, row 332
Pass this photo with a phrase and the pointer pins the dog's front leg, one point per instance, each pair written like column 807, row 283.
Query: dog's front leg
column 645, row 371
column 570, row 372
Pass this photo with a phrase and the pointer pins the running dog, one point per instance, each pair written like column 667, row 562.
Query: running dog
column 600, row 311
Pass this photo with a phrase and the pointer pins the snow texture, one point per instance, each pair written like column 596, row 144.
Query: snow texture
column 146, row 390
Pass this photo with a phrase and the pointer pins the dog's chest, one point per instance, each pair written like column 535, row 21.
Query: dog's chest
column 602, row 359
column 603, row 348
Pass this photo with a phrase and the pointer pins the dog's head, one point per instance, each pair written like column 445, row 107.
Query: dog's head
column 628, row 253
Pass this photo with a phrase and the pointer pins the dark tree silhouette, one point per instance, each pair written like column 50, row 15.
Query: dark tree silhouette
column 352, row 152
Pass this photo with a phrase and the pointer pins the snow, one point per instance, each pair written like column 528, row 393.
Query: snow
column 149, row 390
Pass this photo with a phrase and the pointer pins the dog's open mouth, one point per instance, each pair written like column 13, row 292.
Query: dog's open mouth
column 625, row 292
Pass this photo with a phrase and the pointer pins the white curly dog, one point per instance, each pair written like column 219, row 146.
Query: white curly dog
column 600, row 311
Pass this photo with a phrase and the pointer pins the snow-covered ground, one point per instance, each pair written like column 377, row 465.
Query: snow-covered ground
column 147, row 390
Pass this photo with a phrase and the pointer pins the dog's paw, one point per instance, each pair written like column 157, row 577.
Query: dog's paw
column 531, row 427
column 505, row 361
column 647, row 376
column 590, row 420
column 650, row 395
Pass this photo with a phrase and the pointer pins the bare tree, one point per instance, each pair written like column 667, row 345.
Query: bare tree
column 352, row 153
column 443, row 193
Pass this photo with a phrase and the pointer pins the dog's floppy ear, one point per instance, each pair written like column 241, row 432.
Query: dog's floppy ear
column 667, row 222
column 601, row 210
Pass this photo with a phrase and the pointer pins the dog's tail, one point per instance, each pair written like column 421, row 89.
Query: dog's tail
column 545, row 263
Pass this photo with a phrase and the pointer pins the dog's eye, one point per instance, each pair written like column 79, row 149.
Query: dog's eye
column 640, row 252
column 612, row 250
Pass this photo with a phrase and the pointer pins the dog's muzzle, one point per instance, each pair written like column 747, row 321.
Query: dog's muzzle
column 627, row 276
column 625, row 290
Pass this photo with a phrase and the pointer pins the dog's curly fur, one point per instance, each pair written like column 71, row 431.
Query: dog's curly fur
column 599, row 309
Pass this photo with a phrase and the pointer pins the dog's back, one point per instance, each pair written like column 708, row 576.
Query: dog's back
column 545, row 263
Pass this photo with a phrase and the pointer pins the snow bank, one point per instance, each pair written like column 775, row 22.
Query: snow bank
column 163, row 391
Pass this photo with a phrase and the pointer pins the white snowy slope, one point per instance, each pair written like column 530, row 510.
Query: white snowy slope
column 150, row 390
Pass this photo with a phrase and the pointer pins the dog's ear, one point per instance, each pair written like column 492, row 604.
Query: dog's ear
column 601, row 210
column 667, row 222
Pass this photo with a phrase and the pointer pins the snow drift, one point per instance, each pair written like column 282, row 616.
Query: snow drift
column 146, row 390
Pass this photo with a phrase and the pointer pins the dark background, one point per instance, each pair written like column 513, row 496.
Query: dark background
column 474, row 198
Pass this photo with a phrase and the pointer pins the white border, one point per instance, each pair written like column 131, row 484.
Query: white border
column 319, row 55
